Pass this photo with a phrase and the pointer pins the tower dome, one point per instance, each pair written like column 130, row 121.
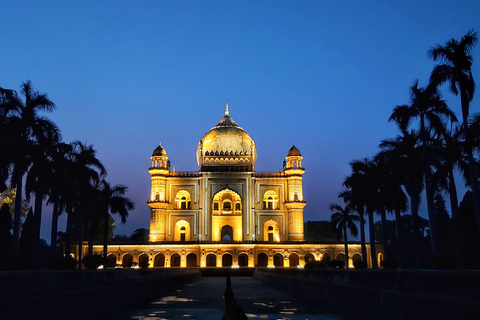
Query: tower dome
column 159, row 151
column 226, row 145
column 293, row 152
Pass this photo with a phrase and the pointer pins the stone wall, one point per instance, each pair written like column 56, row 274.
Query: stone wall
column 86, row 294
column 383, row 294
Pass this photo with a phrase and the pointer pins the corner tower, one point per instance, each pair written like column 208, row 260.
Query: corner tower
column 158, row 198
column 294, row 171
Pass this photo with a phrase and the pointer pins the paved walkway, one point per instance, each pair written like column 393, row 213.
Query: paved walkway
column 203, row 300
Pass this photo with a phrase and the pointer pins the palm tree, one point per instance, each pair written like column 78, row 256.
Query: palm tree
column 112, row 200
column 456, row 69
column 393, row 198
column 427, row 105
column 353, row 196
column 40, row 171
column 406, row 154
column 364, row 186
column 452, row 158
column 342, row 220
column 26, row 127
column 58, row 185
column 85, row 173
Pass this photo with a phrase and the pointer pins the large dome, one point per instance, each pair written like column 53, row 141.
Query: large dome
column 226, row 144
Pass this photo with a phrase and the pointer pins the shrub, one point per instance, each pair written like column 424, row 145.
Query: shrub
column 316, row 265
column 360, row 264
column 93, row 262
column 336, row 264
column 389, row 264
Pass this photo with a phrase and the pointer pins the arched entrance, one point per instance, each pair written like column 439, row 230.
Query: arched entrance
column 192, row 260
column 278, row 260
column 309, row 258
column 175, row 260
column 143, row 261
column 262, row 260
column 227, row 260
column 182, row 231
column 294, row 260
column 211, row 260
column 341, row 257
column 242, row 260
column 227, row 233
column 127, row 261
column 159, row 261
column 356, row 257
column 325, row 257
column 111, row 261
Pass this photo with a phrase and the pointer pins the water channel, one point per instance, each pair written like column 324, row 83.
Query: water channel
column 203, row 300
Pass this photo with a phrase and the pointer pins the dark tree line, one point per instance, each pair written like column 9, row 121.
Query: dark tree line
column 424, row 161
column 37, row 166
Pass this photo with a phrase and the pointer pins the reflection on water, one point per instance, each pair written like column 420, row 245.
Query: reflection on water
column 203, row 300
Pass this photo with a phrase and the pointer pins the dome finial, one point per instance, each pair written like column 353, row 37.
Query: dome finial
column 226, row 109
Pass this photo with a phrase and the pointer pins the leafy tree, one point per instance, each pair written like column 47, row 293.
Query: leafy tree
column 140, row 236
column 470, row 235
column 320, row 231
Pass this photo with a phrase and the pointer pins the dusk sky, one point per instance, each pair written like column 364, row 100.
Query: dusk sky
column 323, row 75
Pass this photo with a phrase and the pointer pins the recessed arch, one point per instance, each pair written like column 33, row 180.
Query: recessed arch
column 294, row 260
column 211, row 260
column 227, row 233
column 270, row 200
column 127, row 261
column 175, row 260
column 111, row 261
column 271, row 232
column 309, row 257
column 181, row 232
column 262, row 259
column 192, row 260
column 183, row 200
column 243, row 260
column 227, row 260
column 143, row 260
column 278, row 260
column 159, row 261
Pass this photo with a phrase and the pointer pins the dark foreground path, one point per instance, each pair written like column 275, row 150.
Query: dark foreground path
column 203, row 300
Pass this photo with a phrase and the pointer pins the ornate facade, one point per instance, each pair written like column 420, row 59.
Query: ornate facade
column 226, row 213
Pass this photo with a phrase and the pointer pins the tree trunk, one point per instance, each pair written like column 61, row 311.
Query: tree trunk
column 346, row 244
column 80, row 239
column 105, row 238
column 452, row 191
column 399, row 234
column 414, row 203
column 68, row 234
column 432, row 219
column 53, row 233
column 371, row 231
column 471, row 161
column 386, row 248
column 38, row 214
column 362, row 236
column 18, row 213
column 91, row 232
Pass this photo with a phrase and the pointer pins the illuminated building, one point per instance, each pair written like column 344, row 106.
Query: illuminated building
column 226, row 213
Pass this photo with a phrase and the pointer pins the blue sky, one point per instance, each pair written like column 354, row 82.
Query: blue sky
column 325, row 75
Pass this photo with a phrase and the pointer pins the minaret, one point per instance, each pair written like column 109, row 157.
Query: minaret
column 295, row 203
column 158, row 203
